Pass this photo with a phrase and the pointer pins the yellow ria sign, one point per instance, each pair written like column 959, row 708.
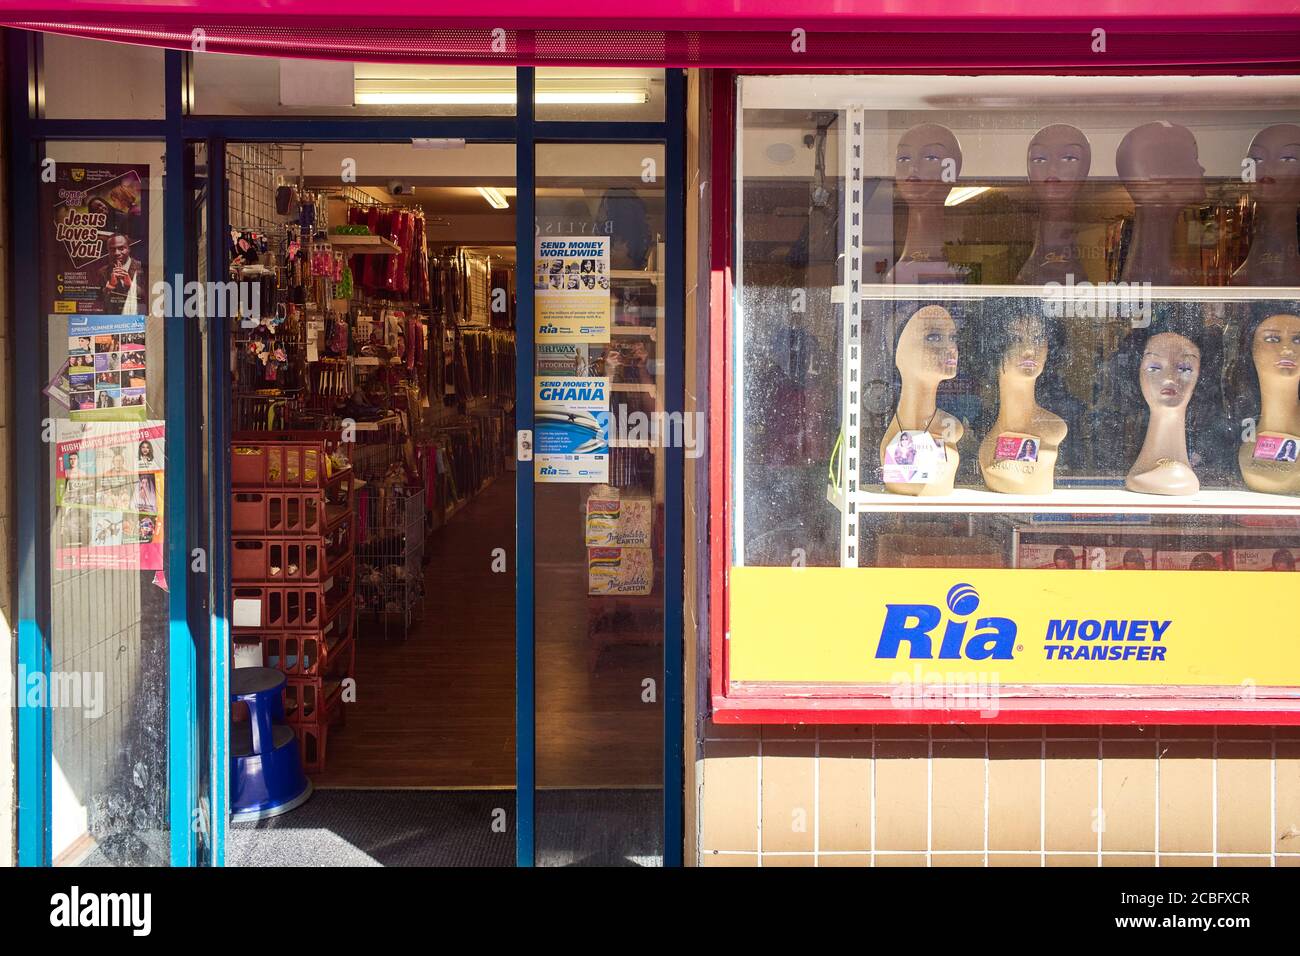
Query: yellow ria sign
column 1110, row 628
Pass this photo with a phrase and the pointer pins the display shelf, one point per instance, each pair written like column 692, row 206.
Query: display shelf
column 377, row 423
column 364, row 245
column 635, row 274
column 1110, row 294
column 647, row 388
column 1212, row 501
column 648, row 331
column 1149, row 531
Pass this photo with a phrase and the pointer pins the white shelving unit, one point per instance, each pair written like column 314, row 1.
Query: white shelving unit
column 856, row 291
column 1083, row 501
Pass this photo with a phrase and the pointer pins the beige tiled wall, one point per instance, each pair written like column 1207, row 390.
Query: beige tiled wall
column 999, row 796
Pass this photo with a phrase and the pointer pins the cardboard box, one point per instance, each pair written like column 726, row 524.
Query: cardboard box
column 1183, row 560
column 625, row 571
column 1265, row 559
column 1032, row 554
column 917, row 551
column 1115, row 558
column 617, row 522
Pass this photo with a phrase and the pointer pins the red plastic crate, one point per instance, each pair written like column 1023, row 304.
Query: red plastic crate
column 309, row 653
column 276, row 513
column 312, row 700
column 312, row 742
column 273, row 460
column 258, row 560
column 339, row 548
column 289, row 607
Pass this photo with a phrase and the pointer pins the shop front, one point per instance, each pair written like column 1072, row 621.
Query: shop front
column 277, row 370
column 729, row 440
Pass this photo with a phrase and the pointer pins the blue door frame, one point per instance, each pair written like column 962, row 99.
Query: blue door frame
column 198, row 631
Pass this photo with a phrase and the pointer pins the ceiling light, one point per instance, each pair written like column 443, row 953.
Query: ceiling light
column 406, row 92
column 959, row 194
column 493, row 197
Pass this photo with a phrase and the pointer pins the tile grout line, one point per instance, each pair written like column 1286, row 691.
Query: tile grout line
column 817, row 795
column 1042, row 796
column 1099, row 817
column 1272, row 801
column 1214, row 799
column 929, row 797
column 987, row 767
column 759, row 797
column 873, row 797
column 1159, row 775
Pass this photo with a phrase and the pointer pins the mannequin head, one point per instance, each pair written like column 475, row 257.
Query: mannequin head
column 927, row 346
column 1169, row 369
column 1275, row 349
column 1158, row 164
column 924, row 153
column 1059, row 159
column 1023, row 347
column 1275, row 152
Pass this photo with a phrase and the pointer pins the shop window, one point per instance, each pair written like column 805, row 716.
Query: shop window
column 252, row 86
column 608, row 95
column 988, row 326
column 100, row 255
column 91, row 79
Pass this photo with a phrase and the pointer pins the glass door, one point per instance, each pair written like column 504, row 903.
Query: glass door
column 600, row 486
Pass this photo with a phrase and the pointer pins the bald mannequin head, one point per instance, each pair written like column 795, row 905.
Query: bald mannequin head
column 1059, row 159
column 928, row 163
column 1275, row 163
column 1159, row 165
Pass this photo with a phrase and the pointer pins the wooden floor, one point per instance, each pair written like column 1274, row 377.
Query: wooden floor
column 438, row 710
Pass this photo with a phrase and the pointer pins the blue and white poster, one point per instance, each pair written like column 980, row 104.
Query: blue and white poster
column 571, row 429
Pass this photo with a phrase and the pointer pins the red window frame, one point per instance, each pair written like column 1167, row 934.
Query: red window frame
column 795, row 704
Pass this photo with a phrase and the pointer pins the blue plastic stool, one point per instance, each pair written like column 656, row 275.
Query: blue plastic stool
column 266, row 775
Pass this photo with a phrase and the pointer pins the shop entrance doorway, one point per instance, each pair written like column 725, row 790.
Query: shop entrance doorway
column 398, row 345
column 585, row 766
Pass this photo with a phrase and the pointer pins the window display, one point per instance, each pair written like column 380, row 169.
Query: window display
column 1019, row 323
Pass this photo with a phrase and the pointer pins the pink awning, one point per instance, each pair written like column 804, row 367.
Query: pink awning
column 756, row 34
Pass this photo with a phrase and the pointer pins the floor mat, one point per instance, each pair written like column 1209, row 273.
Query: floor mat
column 454, row 828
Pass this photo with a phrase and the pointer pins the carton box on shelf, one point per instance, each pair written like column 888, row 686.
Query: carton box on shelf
column 622, row 571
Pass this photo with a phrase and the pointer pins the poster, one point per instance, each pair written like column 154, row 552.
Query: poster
column 107, row 370
column 572, row 289
column 109, row 493
column 570, row 358
column 571, row 426
column 95, row 239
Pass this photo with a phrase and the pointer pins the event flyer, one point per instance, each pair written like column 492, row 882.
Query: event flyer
column 109, row 492
column 94, row 239
column 107, row 370
column 571, row 425
column 571, row 289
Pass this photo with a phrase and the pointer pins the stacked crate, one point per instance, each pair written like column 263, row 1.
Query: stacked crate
column 293, row 570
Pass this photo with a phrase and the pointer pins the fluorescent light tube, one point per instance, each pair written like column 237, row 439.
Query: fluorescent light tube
column 959, row 194
column 493, row 197
column 379, row 96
